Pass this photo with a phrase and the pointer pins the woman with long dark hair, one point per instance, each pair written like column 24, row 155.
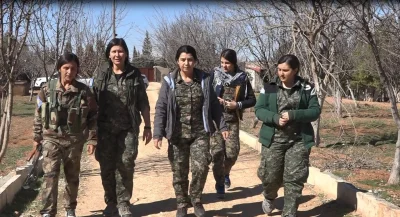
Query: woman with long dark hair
column 235, row 93
column 122, row 99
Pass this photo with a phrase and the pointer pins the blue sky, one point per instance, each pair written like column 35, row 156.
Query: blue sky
column 139, row 15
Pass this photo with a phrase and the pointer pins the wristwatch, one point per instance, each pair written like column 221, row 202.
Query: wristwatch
column 147, row 127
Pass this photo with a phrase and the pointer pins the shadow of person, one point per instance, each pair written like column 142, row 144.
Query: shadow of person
column 330, row 209
column 145, row 209
column 152, row 208
column 233, row 194
column 279, row 202
column 243, row 209
column 253, row 209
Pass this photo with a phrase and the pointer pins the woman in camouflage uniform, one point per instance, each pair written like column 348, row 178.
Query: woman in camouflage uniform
column 235, row 94
column 65, row 109
column 185, row 111
column 121, row 95
column 287, row 105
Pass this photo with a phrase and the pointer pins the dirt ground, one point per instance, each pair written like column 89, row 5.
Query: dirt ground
column 153, row 194
column 20, row 140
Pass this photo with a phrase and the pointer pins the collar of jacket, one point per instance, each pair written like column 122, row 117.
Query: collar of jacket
column 197, row 72
column 73, row 87
column 128, row 71
column 298, row 81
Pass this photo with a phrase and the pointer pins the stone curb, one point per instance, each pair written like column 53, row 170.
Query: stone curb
column 365, row 204
column 14, row 183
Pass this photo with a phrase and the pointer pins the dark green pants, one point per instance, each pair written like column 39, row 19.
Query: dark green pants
column 179, row 152
column 287, row 164
column 116, row 154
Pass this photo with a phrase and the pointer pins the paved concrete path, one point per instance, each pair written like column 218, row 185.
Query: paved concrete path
column 153, row 194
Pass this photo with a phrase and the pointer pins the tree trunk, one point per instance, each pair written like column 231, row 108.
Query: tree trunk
column 316, row 124
column 352, row 95
column 394, row 174
column 338, row 101
column 31, row 94
column 6, row 121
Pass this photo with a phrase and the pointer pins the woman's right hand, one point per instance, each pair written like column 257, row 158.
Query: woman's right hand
column 157, row 143
column 221, row 101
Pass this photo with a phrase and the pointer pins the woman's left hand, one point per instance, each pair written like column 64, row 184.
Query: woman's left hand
column 147, row 135
column 225, row 135
column 230, row 105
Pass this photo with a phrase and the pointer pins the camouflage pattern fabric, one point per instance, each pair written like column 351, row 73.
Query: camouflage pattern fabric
column 117, row 147
column 179, row 152
column 66, row 100
column 116, row 154
column 61, row 146
column 189, row 100
column 115, row 114
column 229, row 95
column 288, row 99
column 285, row 163
column 189, row 141
column 69, row 153
column 225, row 153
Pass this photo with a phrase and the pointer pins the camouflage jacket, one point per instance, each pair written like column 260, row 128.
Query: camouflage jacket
column 120, row 101
column 66, row 99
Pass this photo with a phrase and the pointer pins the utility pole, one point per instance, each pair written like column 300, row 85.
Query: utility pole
column 113, row 19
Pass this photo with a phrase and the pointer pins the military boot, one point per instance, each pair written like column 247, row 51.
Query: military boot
column 110, row 210
column 220, row 191
column 199, row 210
column 181, row 212
column 70, row 213
column 124, row 211
column 227, row 182
column 268, row 206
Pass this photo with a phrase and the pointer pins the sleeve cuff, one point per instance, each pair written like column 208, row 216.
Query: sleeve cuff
column 37, row 138
column 92, row 142
column 276, row 119
column 240, row 105
column 291, row 115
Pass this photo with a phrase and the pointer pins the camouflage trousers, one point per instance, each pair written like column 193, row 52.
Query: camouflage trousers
column 179, row 152
column 285, row 163
column 55, row 152
column 225, row 153
column 116, row 154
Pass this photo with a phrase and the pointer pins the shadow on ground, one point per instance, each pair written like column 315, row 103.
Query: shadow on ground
column 90, row 172
column 330, row 209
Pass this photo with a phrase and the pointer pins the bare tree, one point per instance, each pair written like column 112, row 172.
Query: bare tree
column 308, row 29
column 368, row 16
column 263, row 33
column 51, row 28
column 14, row 28
column 91, row 33
column 194, row 27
